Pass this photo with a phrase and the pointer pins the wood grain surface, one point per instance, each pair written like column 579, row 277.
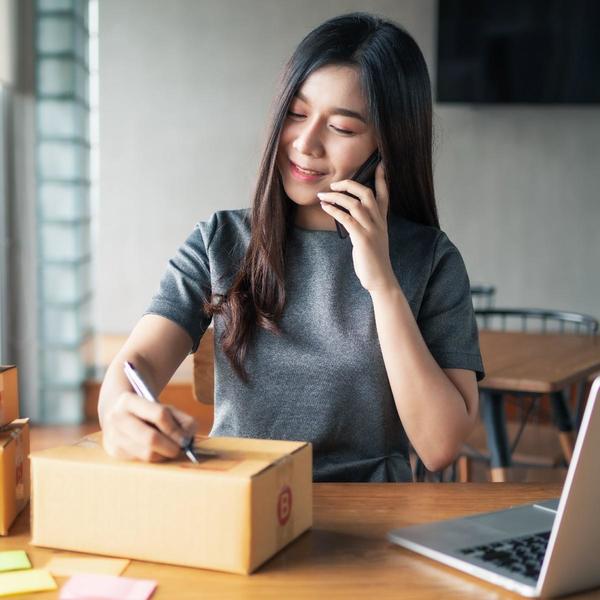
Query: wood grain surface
column 345, row 554
column 537, row 362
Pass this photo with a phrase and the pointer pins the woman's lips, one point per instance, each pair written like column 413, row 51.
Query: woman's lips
column 302, row 176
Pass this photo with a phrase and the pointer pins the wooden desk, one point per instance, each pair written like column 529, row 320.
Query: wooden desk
column 535, row 363
column 345, row 555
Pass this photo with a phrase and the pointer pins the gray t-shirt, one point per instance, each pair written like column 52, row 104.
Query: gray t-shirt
column 324, row 379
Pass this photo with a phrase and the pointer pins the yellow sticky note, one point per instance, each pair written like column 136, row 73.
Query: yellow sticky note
column 13, row 560
column 20, row 582
column 65, row 566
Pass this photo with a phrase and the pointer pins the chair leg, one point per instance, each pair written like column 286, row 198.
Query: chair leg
column 494, row 420
column 464, row 468
column 581, row 394
column 563, row 421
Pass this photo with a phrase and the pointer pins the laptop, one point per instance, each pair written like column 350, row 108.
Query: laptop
column 543, row 549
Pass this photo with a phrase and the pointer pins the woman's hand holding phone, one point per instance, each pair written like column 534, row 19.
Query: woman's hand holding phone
column 366, row 223
column 365, row 174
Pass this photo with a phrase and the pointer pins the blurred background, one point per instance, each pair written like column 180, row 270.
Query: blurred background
column 123, row 123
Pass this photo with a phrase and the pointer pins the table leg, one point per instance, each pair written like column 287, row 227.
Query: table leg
column 494, row 420
column 562, row 420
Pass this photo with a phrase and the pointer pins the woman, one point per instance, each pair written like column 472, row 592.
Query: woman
column 357, row 345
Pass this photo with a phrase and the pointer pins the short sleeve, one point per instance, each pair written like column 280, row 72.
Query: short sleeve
column 446, row 317
column 185, row 286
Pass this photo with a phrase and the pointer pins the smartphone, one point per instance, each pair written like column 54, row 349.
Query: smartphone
column 365, row 174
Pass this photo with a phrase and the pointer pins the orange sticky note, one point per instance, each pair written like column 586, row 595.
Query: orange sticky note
column 64, row 565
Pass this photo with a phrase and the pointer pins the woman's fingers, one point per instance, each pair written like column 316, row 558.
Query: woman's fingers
column 120, row 444
column 347, row 220
column 358, row 211
column 124, row 446
column 381, row 191
column 157, row 414
column 373, row 204
column 187, row 423
column 146, row 438
column 138, row 429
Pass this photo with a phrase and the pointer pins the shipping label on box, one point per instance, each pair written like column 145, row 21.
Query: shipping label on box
column 9, row 395
column 14, row 472
column 231, row 512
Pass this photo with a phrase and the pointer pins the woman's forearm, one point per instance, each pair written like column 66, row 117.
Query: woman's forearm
column 434, row 413
column 156, row 347
column 115, row 382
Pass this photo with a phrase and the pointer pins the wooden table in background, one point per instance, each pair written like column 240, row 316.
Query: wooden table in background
column 345, row 554
column 536, row 363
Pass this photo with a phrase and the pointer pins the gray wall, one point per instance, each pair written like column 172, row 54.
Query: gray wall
column 185, row 90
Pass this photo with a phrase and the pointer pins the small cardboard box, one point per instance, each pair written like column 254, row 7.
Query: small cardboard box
column 9, row 394
column 14, row 471
column 229, row 513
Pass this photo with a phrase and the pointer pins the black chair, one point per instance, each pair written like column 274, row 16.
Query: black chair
column 535, row 319
column 492, row 402
column 483, row 296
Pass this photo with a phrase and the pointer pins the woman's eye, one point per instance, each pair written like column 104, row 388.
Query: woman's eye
column 343, row 130
column 300, row 116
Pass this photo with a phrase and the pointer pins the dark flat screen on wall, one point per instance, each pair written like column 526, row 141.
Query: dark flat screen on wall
column 518, row 51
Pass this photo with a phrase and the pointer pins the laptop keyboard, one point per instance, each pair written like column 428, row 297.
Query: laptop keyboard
column 522, row 555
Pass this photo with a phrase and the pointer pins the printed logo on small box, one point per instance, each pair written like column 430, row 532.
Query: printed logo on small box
column 284, row 505
column 19, row 466
column 20, row 487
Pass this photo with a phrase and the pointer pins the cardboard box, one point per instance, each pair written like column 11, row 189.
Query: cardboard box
column 14, row 472
column 229, row 513
column 9, row 395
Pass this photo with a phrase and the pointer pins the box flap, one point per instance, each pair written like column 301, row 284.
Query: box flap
column 6, row 368
column 11, row 431
column 237, row 457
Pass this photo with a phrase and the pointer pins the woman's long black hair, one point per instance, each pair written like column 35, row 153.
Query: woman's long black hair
column 396, row 85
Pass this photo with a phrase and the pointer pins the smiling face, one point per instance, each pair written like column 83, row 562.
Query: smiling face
column 326, row 131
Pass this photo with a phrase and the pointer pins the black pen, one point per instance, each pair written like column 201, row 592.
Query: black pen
column 142, row 390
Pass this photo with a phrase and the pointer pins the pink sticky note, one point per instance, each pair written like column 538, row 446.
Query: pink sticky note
column 106, row 587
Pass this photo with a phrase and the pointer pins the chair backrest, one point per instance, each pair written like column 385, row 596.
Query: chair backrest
column 536, row 319
column 204, row 376
column 483, row 296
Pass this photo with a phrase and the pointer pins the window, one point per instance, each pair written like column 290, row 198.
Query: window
column 63, row 184
column 4, row 287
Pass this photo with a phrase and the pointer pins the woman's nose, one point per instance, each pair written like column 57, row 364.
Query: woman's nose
column 308, row 140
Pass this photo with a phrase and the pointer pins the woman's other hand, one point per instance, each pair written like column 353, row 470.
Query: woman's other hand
column 367, row 225
column 137, row 429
